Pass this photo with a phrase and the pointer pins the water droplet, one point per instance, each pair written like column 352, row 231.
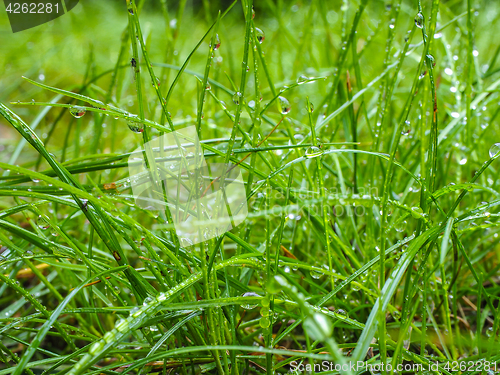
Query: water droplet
column 489, row 332
column 109, row 336
column 42, row 223
column 419, row 20
column 415, row 188
column 313, row 152
column 77, row 112
column 260, row 35
column 237, row 97
column 121, row 325
column 302, row 79
column 316, row 274
column 134, row 125
column 463, row 161
column 431, row 62
column 147, row 301
column 416, row 212
column 284, row 105
column 311, row 107
column 249, row 306
column 134, row 310
column 341, row 314
column 265, row 302
column 264, row 322
column 217, row 42
column 399, row 227
column 253, row 13
column 495, row 149
column 96, row 347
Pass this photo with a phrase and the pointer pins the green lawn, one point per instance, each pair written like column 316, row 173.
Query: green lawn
column 366, row 134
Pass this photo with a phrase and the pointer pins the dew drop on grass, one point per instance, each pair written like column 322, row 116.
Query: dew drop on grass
column 253, row 13
column 419, row 20
column 260, row 35
column 399, row 227
column 237, row 97
column 406, row 129
column 430, row 61
column 264, row 322
column 136, row 127
column 416, row 212
column 42, row 223
column 495, row 149
column 313, row 152
column 147, row 301
column 302, row 79
column 96, row 347
column 310, row 108
column 316, row 274
column 249, row 306
column 284, row 105
column 109, row 336
column 265, row 302
column 134, row 310
column 415, row 188
column 217, row 42
column 341, row 314
column 77, row 112
column 489, row 332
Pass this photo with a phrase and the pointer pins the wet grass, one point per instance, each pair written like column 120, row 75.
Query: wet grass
column 367, row 134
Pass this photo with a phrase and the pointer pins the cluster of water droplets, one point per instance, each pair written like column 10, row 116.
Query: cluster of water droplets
column 265, row 312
